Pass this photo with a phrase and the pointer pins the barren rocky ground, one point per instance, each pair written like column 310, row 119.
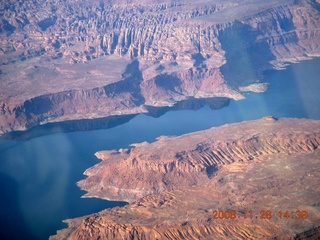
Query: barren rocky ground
column 175, row 185
column 76, row 59
column 66, row 60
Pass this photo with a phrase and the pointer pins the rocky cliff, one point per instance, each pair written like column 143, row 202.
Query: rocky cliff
column 175, row 185
column 63, row 60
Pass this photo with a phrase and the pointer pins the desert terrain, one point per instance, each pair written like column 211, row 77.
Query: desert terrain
column 63, row 61
column 176, row 186
column 69, row 60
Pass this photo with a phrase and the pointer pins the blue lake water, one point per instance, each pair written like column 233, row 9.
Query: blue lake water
column 38, row 176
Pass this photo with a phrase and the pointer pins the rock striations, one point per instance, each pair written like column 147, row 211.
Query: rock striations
column 266, row 172
column 63, row 60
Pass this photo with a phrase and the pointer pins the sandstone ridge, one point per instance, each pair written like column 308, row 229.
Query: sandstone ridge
column 64, row 61
column 174, row 184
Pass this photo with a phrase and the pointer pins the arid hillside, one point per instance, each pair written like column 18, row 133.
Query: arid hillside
column 76, row 59
column 250, row 180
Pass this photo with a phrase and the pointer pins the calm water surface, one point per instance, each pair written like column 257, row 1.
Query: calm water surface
column 38, row 176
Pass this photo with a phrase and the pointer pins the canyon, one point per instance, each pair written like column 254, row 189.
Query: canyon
column 70, row 60
column 175, row 184
column 67, row 62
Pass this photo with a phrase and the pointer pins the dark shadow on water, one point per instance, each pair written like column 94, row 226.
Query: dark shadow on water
column 112, row 121
column 64, row 157
column 68, row 126
column 189, row 104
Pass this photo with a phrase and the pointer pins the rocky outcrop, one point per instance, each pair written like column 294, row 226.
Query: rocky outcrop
column 191, row 159
column 118, row 98
column 175, row 184
column 179, row 50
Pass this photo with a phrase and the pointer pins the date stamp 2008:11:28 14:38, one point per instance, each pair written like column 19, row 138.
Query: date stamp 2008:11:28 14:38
column 263, row 214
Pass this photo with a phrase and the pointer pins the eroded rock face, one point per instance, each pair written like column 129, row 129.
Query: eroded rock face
column 61, row 53
column 193, row 158
column 174, row 185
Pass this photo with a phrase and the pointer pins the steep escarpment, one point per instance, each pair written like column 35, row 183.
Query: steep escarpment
column 119, row 98
column 112, row 121
column 175, row 185
column 182, row 49
column 191, row 159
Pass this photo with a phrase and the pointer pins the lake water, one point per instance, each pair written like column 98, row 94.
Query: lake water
column 38, row 175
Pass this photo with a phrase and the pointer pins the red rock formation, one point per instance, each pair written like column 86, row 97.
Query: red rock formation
column 178, row 49
column 174, row 185
column 192, row 158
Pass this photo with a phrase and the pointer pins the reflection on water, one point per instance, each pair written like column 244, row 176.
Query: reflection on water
column 191, row 103
column 38, row 175
column 69, row 126
column 112, row 121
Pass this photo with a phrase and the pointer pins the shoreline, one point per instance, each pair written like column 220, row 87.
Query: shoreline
column 283, row 146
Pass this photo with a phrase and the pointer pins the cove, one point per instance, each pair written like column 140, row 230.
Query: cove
column 38, row 173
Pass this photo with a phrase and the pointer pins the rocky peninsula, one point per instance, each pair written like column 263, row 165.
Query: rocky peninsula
column 257, row 179
column 63, row 61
